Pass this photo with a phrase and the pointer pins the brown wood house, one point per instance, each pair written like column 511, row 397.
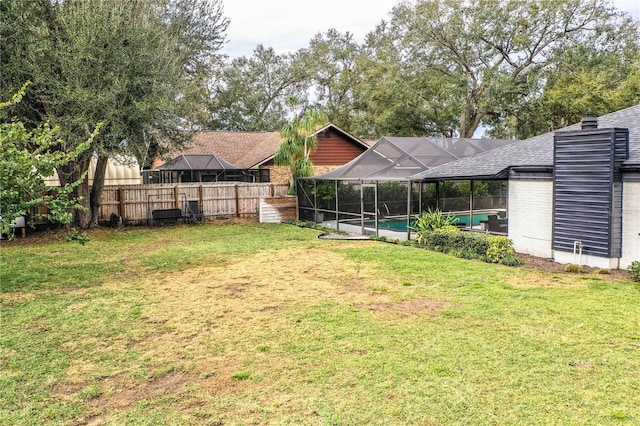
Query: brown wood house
column 253, row 152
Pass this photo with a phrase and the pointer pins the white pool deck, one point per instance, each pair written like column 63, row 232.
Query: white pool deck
column 387, row 233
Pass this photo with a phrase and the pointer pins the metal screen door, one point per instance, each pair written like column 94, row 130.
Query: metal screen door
column 369, row 206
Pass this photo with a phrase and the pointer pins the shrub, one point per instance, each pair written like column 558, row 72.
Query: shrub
column 573, row 268
column 470, row 245
column 511, row 260
column 499, row 248
column 75, row 236
column 634, row 268
column 430, row 220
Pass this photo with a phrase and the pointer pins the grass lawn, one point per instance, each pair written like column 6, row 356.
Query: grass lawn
column 266, row 324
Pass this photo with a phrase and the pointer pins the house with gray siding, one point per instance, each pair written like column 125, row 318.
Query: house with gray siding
column 573, row 194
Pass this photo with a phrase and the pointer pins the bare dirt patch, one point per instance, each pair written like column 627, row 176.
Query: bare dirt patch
column 407, row 307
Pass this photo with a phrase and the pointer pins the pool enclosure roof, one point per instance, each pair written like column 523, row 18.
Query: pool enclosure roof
column 397, row 158
column 197, row 162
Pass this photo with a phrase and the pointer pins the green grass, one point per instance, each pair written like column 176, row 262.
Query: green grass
column 266, row 324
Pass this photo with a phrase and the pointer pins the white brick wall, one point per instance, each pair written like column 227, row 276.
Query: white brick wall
column 531, row 223
column 630, row 223
column 530, row 216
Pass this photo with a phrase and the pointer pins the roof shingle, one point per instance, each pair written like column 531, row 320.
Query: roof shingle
column 536, row 151
column 243, row 149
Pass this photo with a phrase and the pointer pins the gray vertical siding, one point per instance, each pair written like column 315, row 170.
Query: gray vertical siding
column 587, row 206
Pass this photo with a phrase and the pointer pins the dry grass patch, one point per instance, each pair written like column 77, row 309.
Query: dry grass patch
column 204, row 320
column 406, row 308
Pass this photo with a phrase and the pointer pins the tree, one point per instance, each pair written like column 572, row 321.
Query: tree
column 141, row 67
column 585, row 82
column 331, row 59
column 298, row 139
column 249, row 94
column 26, row 158
column 475, row 62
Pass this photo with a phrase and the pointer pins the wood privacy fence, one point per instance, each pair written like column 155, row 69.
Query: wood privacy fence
column 134, row 203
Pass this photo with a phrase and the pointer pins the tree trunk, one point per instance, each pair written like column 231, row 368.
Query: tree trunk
column 70, row 173
column 96, row 189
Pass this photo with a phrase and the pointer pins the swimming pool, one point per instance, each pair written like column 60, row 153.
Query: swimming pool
column 401, row 224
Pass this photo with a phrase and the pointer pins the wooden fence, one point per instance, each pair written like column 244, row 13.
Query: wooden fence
column 134, row 203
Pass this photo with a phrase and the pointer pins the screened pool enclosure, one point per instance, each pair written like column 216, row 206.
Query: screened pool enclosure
column 380, row 192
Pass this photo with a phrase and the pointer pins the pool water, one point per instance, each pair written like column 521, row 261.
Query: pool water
column 401, row 224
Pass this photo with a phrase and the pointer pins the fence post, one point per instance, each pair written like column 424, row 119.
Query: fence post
column 237, row 201
column 121, row 205
column 176, row 196
column 201, row 198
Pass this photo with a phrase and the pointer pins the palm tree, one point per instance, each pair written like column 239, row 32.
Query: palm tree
column 298, row 139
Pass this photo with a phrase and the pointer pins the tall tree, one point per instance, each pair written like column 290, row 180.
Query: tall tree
column 249, row 93
column 584, row 82
column 26, row 158
column 481, row 60
column 331, row 59
column 140, row 67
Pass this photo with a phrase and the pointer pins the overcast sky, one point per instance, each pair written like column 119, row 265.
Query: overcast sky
column 288, row 25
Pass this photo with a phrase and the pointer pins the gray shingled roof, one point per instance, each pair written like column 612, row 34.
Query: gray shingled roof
column 536, row 151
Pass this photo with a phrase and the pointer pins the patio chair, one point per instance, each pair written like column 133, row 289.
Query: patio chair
column 497, row 225
column 193, row 211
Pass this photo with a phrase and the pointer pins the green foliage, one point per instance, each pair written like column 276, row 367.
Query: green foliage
column 26, row 158
column 511, row 260
column 470, row 245
column 140, row 67
column 634, row 268
column 499, row 248
column 430, row 220
column 76, row 236
column 298, row 139
column 250, row 94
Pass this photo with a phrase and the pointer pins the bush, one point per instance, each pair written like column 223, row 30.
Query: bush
column 499, row 248
column 634, row 268
column 432, row 220
column 470, row 245
column 75, row 236
column 573, row 268
column 511, row 260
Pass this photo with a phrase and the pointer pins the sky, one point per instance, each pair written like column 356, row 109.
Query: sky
column 289, row 25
